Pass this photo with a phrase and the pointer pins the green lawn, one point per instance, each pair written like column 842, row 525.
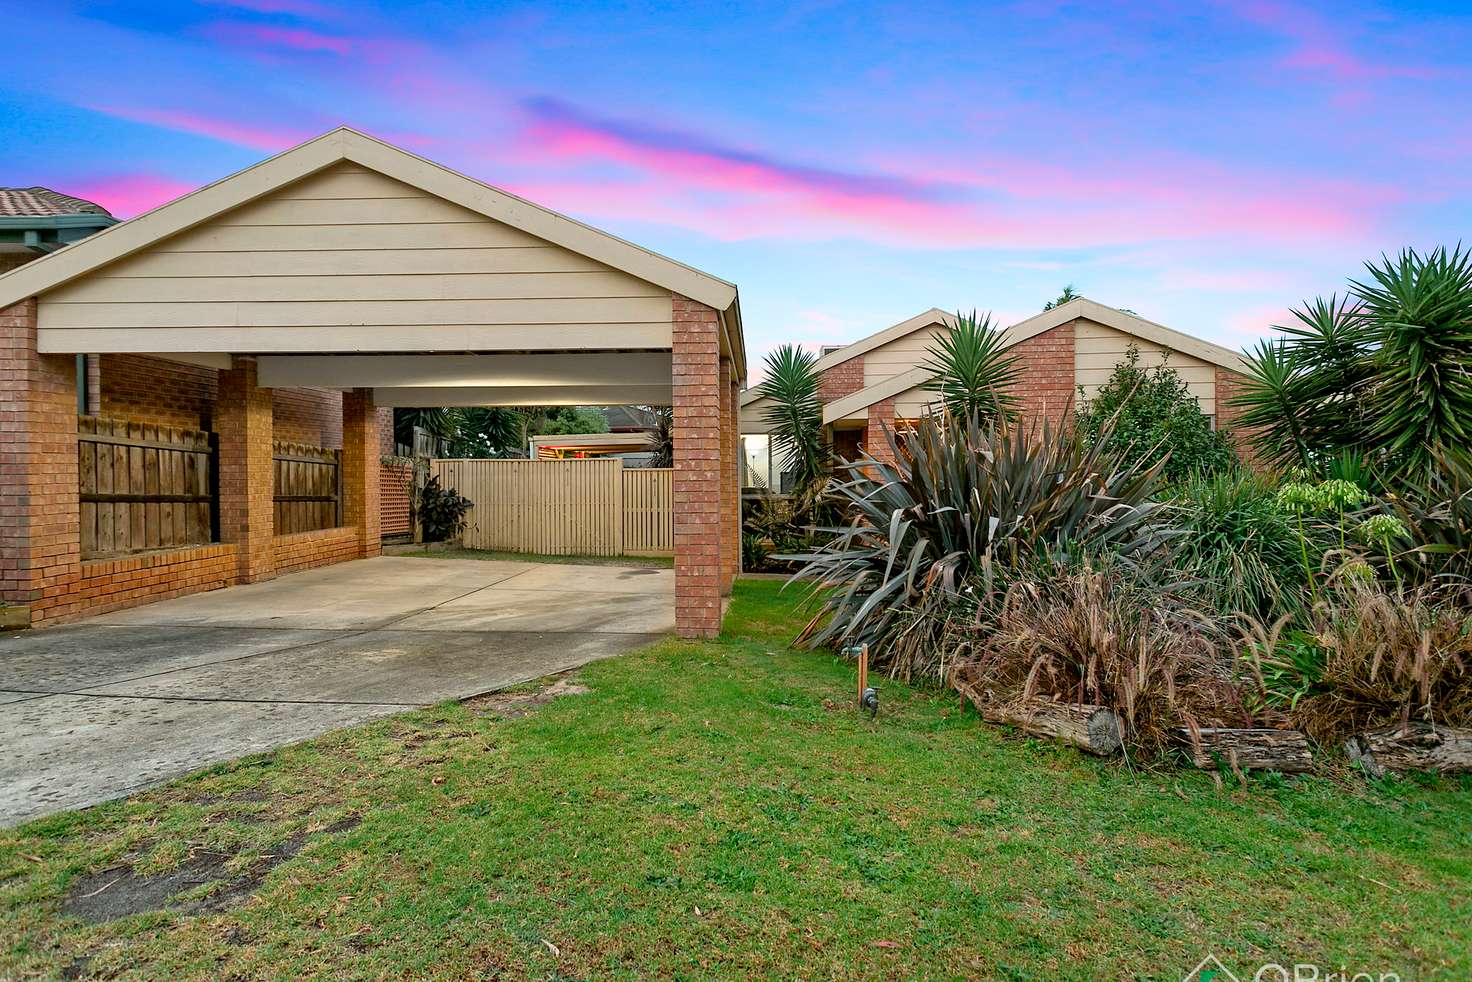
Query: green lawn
column 717, row 810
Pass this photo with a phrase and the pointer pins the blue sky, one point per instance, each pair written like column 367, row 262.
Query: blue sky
column 848, row 165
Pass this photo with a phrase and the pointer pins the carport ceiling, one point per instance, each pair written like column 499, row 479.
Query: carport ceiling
column 560, row 379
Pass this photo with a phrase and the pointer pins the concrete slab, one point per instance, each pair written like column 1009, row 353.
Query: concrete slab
column 504, row 609
column 99, row 709
column 73, row 751
column 400, row 666
column 80, row 656
column 350, row 596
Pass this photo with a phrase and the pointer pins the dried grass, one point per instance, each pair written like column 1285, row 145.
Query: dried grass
column 1098, row 636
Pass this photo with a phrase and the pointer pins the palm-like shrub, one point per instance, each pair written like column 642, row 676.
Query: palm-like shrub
column 1385, row 373
column 973, row 370
column 795, row 414
column 967, row 506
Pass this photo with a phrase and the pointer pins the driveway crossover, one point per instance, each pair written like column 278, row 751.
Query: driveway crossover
column 98, row 709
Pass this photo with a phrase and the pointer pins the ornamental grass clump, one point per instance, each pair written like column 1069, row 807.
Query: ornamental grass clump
column 1384, row 657
column 967, row 507
column 1103, row 634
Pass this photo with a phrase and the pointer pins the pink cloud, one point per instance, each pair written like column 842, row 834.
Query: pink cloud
column 126, row 195
column 1319, row 46
column 267, row 38
column 247, row 135
column 686, row 180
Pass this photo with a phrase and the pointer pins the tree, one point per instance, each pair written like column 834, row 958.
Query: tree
column 1143, row 414
column 1385, row 374
column 795, row 416
column 973, row 370
column 1062, row 298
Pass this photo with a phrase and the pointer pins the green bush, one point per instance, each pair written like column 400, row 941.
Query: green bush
column 441, row 511
column 1242, row 546
column 1146, row 414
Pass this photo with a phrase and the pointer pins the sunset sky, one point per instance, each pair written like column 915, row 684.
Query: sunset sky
column 848, row 165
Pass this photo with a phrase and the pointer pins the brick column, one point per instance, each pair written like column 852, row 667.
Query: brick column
column 244, row 423
column 881, row 414
column 698, row 485
column 40, row 538
column 727, row 422
column 733, row 482
column 360, row 453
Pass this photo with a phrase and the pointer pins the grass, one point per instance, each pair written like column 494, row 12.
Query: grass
column 452, row 552
column 718, row 810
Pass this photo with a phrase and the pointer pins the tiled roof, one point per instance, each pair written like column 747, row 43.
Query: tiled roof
column 44, row 203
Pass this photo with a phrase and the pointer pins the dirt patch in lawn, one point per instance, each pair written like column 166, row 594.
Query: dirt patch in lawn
column 515, row 703
column 120, row 890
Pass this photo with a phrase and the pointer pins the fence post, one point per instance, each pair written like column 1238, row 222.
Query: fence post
column 617, row 518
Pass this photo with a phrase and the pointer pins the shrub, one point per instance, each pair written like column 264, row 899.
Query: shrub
column 1241, row 545
column 967, row 506
column 441, row 512
column 974, row 372
column 1145, row 414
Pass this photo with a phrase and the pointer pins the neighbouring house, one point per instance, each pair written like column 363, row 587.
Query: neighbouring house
column 630, row 445
column 1073, row 348
column 249, row 340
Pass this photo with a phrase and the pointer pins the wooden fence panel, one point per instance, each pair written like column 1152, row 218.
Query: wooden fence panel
column 649, row 509
column 562, row 507
column 143, row 486
column 308, row 488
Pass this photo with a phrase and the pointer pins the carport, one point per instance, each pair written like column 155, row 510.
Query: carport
column 351, row 265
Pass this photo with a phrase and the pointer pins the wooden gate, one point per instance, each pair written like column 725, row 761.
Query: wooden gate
column 563, row 507
column 308, row 488
column 144, row 487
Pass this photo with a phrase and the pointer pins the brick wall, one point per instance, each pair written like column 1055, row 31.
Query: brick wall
column 842, row 379
column 247, row 507
column 311, row 416
column 12, row 260
column 360, row 466
column 1228, row 384
column 1047, row 386
column 697, row 479
column 305, row 550
column 40, row 529
column 151, row 390
column 114, row 584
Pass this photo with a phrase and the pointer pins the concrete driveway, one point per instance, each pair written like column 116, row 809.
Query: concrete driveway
column 98, row 709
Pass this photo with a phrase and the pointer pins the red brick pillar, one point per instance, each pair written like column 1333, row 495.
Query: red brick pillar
column 698, row 485
column 723, row 386
column 881, row 415
column 244, row 423
column 40, row 537
column 733, row 482
column 360, row 453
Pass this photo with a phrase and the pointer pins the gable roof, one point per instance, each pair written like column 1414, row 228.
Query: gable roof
column 1081, row 307
column 876, row 340
column 345, row 144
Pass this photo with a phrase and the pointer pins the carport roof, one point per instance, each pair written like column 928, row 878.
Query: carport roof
column 345, row 144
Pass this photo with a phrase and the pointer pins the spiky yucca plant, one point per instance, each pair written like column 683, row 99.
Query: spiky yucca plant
column 795, row 416
column 974, row 370
column 1385, row 372
column 967, row 506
